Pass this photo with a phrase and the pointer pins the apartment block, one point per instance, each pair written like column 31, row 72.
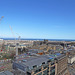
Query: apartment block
column 55, row 64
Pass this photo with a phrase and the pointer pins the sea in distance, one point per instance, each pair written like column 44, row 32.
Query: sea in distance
column 37, row 39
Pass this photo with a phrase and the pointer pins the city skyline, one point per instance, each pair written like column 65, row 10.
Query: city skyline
column 44, row 19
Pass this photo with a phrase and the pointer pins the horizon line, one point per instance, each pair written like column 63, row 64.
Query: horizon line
column 36, row 38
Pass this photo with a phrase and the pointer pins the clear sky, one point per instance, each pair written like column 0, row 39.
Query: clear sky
column 48, row 19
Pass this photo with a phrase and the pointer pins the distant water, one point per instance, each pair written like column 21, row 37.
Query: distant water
column 38, row 39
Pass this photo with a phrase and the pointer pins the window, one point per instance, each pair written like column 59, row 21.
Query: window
column 45, row 67
column 40, row 73
column 52, row 73
column 45, row 72
column 39, row 69
column 43, row 63
column 52, row 63
column 52, row 67
column 34, row 66
column 36, row 71
column 48, row 61
column 28, row 73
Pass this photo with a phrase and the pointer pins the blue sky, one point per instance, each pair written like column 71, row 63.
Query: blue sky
column 47, row 19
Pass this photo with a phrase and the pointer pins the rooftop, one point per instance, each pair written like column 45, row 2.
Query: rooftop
column 6, row 73
column 37, row 60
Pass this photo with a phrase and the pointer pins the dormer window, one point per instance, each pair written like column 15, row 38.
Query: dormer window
column 43, row 63
column 49, row 61
column 34, row 66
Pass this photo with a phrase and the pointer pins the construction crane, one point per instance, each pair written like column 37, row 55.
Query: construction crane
column 19, row 37
column 1, row 39
column 12, row 33
column 1, row 18
column 64, row 45
column 15, row 42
